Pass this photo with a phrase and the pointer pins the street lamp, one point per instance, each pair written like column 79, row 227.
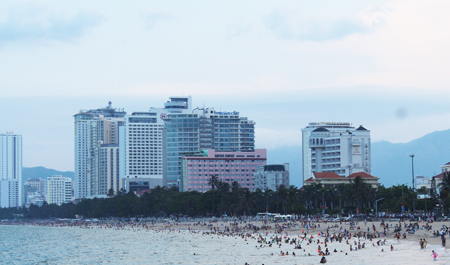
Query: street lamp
column 376, row 206
column 349, row 173
column 413, row 187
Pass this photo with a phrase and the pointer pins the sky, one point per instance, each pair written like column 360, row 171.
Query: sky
column 381, row 64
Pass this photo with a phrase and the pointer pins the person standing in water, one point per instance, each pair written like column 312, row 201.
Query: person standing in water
column 434, row 254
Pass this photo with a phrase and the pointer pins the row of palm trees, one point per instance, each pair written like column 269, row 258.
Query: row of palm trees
column 312, row 198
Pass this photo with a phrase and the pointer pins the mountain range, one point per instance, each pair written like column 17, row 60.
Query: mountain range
column 43, row 173
column 391, row 162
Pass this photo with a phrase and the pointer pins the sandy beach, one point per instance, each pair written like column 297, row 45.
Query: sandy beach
column 257, row 242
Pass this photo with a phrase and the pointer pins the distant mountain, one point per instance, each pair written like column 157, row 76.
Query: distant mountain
column 43, row 173
column 392, row 163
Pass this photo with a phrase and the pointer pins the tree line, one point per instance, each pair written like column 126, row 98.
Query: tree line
column 234, row 200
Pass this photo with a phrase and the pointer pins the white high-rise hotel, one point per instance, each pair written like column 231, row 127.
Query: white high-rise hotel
column 141, row 139
column 96, row 151
column 335, row 147
column 10, row 170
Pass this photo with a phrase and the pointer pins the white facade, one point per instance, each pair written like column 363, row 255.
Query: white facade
column 270, row 177
column 335, row 147
column 141, row 140
column 445, row 168
column 93, row 128
column 109, row 169
column 59, row 190
column 10, row 170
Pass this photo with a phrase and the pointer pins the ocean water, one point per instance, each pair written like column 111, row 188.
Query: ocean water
column 47, row 245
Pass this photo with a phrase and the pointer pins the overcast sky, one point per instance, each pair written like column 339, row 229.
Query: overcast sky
column 381, row 64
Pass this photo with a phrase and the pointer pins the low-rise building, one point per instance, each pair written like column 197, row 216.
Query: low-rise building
column 331, row 179
column 270, row 177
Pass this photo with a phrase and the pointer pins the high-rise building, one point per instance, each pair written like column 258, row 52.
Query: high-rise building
column 109, row 169
column 10, row 170
column 141, row 144
column 270, row 177
column 95, row 131
column 188, row 133
column 227, row 166
column 59, row 190
column 335, row 147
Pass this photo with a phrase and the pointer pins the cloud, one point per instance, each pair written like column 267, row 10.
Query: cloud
column 290, row 26
column 39, row 23
column 152, row 19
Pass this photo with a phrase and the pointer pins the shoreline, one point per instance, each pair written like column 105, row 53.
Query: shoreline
column 223, row 243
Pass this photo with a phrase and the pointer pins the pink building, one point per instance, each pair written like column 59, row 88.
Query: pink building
column 227, row 166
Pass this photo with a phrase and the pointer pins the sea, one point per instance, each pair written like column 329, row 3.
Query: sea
column 68, row 245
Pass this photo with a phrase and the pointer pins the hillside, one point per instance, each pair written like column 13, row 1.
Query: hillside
column 392, row 163
column 43, row 173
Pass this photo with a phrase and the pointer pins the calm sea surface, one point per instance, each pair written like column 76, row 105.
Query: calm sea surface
column 47, row 245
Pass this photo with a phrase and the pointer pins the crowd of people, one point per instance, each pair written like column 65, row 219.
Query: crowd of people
column 301, row 236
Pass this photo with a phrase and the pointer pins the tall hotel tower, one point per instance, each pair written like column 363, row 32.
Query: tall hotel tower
column 10, row 170
column 188, row 133
column 141, row 139
column 96, row 151
column 335, row 147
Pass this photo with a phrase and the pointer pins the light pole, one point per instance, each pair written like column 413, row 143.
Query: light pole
column 349, row 173
column 376, row 206
column 413, row 187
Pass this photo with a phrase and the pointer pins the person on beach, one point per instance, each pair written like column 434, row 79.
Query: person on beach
column 434, row 254
column 323, row 260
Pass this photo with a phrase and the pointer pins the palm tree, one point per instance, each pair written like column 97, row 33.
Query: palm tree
column 223, row 188
column 213, row 181
column 362, row 191
column 282, row 196
column 248, row 201
column 110, row 193
column 293, row 196
column 444, row 188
